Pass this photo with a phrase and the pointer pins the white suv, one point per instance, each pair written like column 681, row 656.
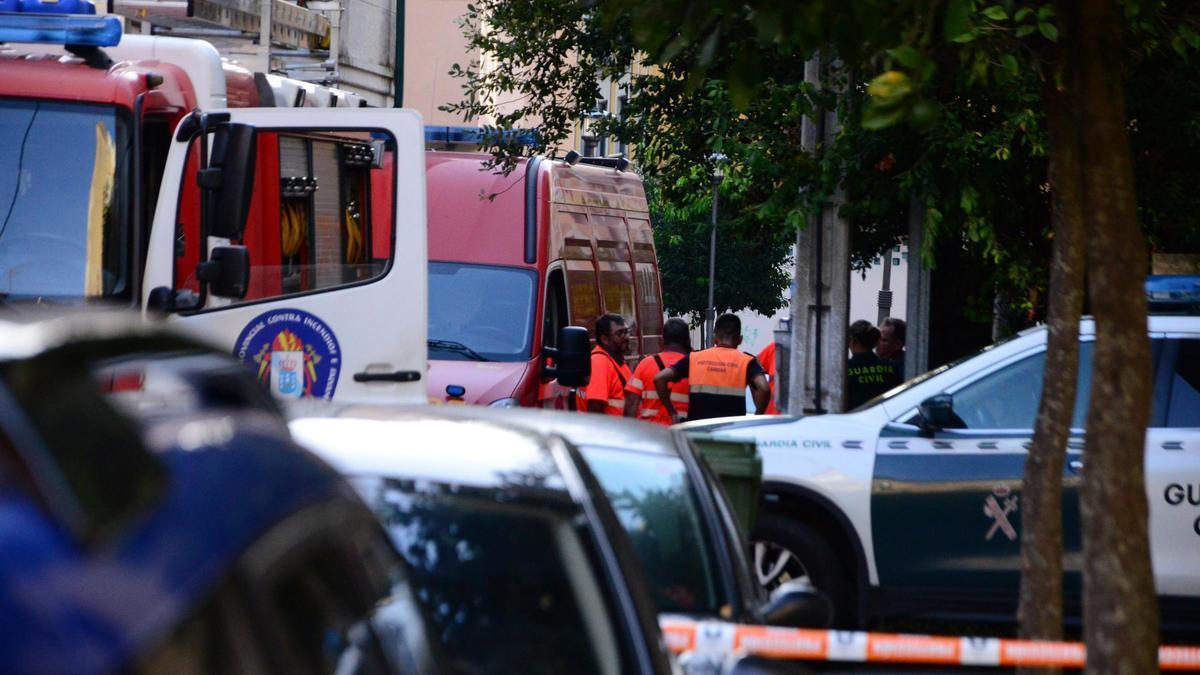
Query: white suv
column 890, row 517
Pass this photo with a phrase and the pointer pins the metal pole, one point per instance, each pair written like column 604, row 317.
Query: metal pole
column 711, row 311
column 885, row 292
column 398, row 62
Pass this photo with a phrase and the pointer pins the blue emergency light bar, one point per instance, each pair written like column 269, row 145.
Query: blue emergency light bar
column 59, row 22
column 1173, row 293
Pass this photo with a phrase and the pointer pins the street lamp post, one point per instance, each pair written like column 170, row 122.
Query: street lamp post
column 710, row 313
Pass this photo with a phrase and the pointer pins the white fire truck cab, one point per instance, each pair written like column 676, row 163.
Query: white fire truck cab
column 144, row 171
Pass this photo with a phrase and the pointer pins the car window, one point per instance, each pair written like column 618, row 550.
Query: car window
column 324, row 616
column 510, row 586
column 659, row 509
column 1184, row 408
column 1008, row 398
column 219, row 638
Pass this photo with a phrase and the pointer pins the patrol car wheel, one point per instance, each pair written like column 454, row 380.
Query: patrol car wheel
column 785, row 549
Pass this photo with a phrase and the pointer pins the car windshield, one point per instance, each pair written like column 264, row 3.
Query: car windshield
column 659, row 509
column 512, row 587
column 60, row 211
column 488, row 310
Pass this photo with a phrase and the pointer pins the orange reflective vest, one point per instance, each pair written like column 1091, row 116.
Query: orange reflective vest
column 642, row 384
column 606, row 384
column 717, row 382
column 766, row 358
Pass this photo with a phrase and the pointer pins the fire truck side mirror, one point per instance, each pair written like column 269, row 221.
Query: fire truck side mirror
column 226, row 272
column 228, row 180
column 572, row 358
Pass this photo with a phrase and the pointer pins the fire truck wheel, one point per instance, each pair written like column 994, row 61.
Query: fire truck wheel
column 785, row 549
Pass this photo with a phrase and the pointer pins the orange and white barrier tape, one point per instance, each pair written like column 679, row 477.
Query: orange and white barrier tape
column 715, row 637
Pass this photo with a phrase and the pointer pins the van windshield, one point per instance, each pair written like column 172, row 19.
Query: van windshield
column 60, row 222
column 487, row 309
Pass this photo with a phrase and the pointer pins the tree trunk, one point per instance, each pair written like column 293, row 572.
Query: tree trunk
column 1120, row 607
column 1040, row 611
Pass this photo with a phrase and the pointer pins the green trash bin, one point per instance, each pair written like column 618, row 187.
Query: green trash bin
column 739, row 467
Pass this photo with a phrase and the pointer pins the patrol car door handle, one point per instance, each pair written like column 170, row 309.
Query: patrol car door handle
column 1076, row 465
column 395, row 376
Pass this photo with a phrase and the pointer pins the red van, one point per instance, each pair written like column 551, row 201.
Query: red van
column 513, row 259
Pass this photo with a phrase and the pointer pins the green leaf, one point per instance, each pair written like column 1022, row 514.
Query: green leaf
column 889, row 89
column 907, row 56
column 1047, row 11
column 876, row 117
column 1190, row 36
column 1010, row 64
column 1049, row 31
column 1025, row 30
column 995, row 13
column 956, row 21
column 966, row 37
column 1021, row 14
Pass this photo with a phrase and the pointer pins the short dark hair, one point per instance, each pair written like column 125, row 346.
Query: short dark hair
column 675, row 332
column 865, row 334
column 899, row 328
column 728, row 326
column 605, row 322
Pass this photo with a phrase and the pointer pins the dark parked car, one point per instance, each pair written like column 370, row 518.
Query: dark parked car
column 193, row 538
column 511, row 544
column 677, row 515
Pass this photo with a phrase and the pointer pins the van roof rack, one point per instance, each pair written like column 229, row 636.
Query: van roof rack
column 619, row 162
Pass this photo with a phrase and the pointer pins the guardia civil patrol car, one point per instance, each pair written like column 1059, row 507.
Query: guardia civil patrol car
column 891, row 514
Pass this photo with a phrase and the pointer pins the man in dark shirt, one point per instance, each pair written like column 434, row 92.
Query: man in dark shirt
column 717, row 377
column 891, row 343
column 867, row 375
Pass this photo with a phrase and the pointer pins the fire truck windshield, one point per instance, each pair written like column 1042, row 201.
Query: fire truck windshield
column 63, row 186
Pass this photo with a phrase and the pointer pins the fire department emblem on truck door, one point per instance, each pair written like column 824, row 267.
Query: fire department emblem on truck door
column 293, row 352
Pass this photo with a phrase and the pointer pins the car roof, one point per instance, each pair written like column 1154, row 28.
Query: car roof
column 577, row 428
column 72, row 607
column 409, row 442
column 32, row 330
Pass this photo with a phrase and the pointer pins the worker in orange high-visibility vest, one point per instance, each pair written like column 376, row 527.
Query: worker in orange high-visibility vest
column 717, row 377
column 641, row 399
column 605, row 392
column 766, row 359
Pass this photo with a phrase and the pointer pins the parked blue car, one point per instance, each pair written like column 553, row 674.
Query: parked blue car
column 155, row 517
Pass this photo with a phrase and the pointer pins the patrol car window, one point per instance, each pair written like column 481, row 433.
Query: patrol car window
column 1008, row 398
column 487, row 309
column 321, row 214
column 659, row 509
column 511, row 587
column 1184, row 409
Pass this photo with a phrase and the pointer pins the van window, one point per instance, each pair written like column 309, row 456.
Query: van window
column 320, row 216
column 488, row 309
column 581, row 289
column 556, row 308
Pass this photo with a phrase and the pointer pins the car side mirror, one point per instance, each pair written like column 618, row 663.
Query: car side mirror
column 798, row 604
column 226, row 272
column 572, row 358
column 937, row 412
column 227, row 181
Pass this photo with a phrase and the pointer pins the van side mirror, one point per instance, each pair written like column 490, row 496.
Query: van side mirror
column 798, row 604
column 937, row 412
column 226, row 272
column 572, row 358
column 227, row 181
